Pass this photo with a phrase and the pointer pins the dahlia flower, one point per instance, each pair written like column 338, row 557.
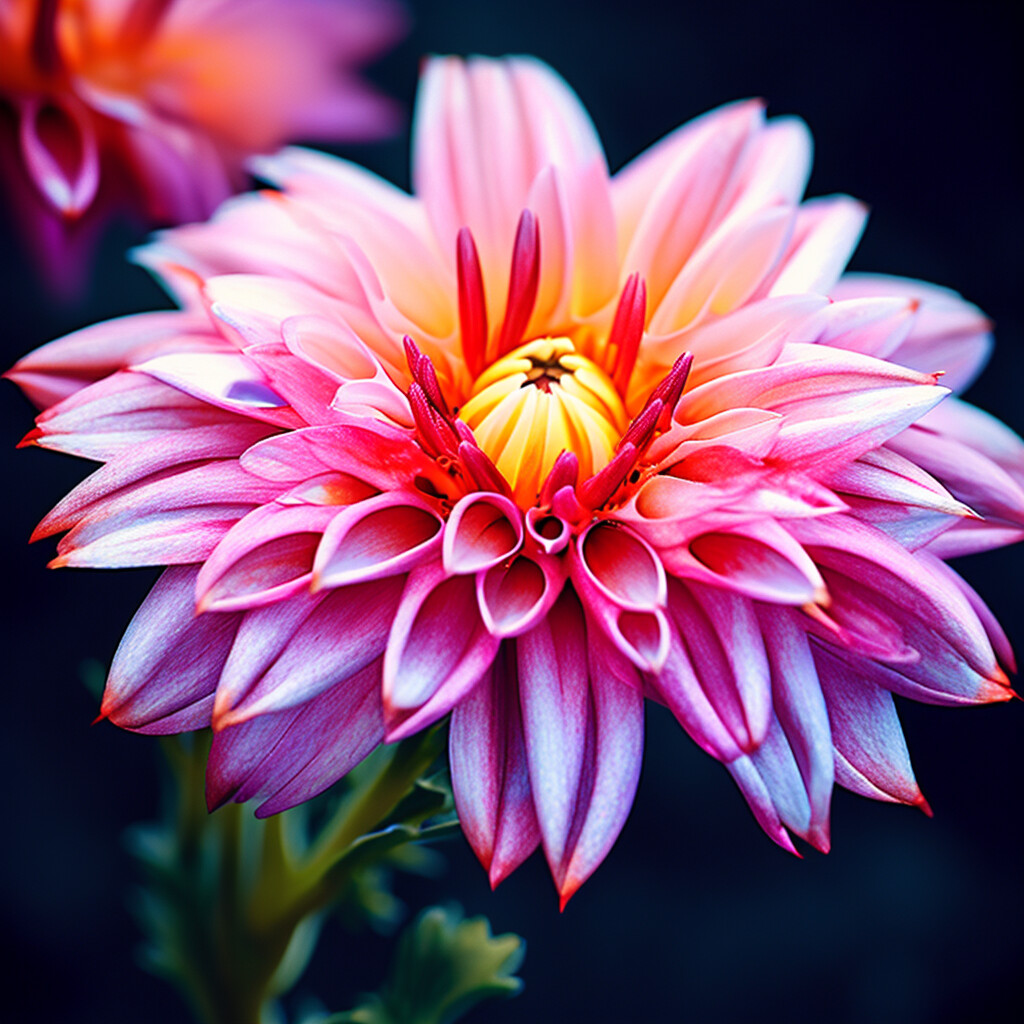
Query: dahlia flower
column 527, row 447
column 168, row 97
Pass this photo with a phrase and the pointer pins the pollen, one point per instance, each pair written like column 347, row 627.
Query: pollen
column 537, row 401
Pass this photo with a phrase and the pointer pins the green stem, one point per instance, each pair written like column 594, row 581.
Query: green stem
column 233, row 890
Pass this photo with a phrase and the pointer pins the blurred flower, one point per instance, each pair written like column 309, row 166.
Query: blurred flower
column 638, row 441
column 167, row 98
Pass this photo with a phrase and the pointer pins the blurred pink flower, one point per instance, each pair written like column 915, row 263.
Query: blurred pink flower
column 167, row 98
column 641, row 440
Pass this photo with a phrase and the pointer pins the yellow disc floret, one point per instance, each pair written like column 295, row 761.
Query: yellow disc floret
column 541, row 399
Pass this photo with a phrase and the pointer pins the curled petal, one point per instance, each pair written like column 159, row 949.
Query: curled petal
column 547, row 531
column 482, row 531
column 760, row 560
column 265, row 556
column 621, row 566
column 515, row 597
column 383, row 535
column 438, row 649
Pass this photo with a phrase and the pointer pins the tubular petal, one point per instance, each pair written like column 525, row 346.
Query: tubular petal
column 380, row 536
column 483, row 531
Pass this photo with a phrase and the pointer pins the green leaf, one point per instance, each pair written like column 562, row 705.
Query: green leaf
column 443, row 967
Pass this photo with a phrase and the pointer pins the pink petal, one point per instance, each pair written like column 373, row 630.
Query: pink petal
column 490, row 779
column 483, row 530
column 760, row 560
column 290, row 756
column 725, row 647
column 166, row 666
column 290, row 652
column 381, row 536
column 554, row 691
column 948, row 333
column 472, row 127
column 515, row 597
column 622, row 566
column 438, row 650
column 60, row 150
column 267, row 555
column 871, row 754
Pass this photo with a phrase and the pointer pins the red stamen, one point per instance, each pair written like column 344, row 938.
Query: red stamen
column 596, row 491
column 482, row 470
column 670, row 390
column 435, row 433
column 423, row 372
column 472, row 303
column 627, row 331
column 564, row 473
column 641, row 430
column 523, row 278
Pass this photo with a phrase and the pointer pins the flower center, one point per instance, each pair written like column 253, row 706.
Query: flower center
column 537, row 401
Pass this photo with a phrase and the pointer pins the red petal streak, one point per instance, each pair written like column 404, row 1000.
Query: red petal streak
column 388, row 534
column 483, row 530
column 564, row 473
column 524, row 276
column 598, row 490
column 627, row 332
column 481, row 469
column 472, row 304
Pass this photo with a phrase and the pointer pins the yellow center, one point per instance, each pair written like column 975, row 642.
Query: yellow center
column 541, row 399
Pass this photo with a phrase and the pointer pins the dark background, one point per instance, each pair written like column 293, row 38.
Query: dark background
column 695, row 916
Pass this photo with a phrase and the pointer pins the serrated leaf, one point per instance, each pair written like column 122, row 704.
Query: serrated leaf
column 443, row 967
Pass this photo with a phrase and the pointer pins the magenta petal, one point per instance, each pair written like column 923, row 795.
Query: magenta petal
column 760, row 560
column 678, row 686
column 552, row 663
column 609, row 782
column 438, row 649
column 622, row 566
column 483, row 530
column 291, row 651
column 264, row 557
column 490, row 779
column 723, row 641
column 290, row 756
column 61, row 153
column 166, row 667
column 515, row 597
column 381, row 536
column 871, row 753
column 801, row 712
